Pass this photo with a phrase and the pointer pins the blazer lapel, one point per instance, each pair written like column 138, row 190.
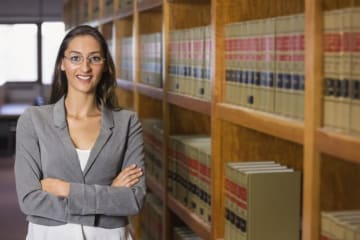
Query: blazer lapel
column 107, row 124
column 60, row 122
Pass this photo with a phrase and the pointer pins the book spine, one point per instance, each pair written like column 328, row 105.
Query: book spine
column 355, row 74
column 207, row 61
column 332, row 39
column 298, row 81
column 229, row 85
column 268, row 69
column 342, row 116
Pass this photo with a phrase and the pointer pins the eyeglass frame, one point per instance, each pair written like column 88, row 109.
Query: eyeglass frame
column 88, row 59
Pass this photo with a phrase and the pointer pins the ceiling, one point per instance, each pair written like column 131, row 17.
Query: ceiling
column 12, row 11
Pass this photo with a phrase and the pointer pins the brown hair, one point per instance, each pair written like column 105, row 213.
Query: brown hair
column 105, row 90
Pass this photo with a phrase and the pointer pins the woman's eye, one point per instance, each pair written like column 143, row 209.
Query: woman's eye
column 75, row 58
column 95, row 59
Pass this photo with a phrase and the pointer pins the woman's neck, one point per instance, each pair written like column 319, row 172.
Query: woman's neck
column 81, row 106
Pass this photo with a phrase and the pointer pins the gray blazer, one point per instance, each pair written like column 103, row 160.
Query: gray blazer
column 44, row 150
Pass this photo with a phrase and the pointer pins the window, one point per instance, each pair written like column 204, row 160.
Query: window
column 52, row 35
column 18, row 51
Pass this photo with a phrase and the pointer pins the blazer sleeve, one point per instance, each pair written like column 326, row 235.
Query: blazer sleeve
column 113, row 201
column 28, row 173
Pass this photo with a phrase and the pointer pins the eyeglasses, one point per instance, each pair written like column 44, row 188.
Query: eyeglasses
column 78, row 59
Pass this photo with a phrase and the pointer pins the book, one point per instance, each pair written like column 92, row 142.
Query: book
column 264, row 209
column 340, row 225
column 296, row 109
column 355, row 74
column 267, row 69
column 204, row 210
column 332, row 31
column 236, row 195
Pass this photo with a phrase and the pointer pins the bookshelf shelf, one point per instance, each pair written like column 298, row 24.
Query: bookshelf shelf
column 153, row 92
column 190, row 103
column 202, row 229
column 154, row 187
column 271, row 124
column 338, row 144
column 123, row 13
column 148, row 4
column 127, row 85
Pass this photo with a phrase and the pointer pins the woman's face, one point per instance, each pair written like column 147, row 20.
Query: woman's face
column 83, row 64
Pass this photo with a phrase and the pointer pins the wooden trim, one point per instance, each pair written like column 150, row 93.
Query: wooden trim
column 127, row 85
column 155, row 187
column 193, row 221
column 153, row 92
column 102, row 21
column 149, row 4
column 313, row 115
column 191, row 103
column 268, row 123
column 218, row 76
column 166, row 219
column 123, row 14
column 338, row 144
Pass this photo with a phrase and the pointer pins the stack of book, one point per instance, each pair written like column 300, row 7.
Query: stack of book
column 184, row 233
column 189, row 172
column 189, row 63
column 109, row 8
column 151, row 60
column 126, row 59
column 125, row 5
column 340, row 225
column 84, row 11
column 153, row 148
column 264, row 64
column 151, row 218
column 262, row 201
column 342, row 70
column 95, row 9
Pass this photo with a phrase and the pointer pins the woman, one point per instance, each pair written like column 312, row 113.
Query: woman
column 79, row 161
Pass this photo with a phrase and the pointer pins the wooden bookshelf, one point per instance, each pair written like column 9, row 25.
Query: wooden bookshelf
column 268, row 123
column 145, row 5
column 338, row 144
column 191, row 103
column 202, row 229
column 124, row 84
column 155, row 187
column 329, row 161
column 153, row 92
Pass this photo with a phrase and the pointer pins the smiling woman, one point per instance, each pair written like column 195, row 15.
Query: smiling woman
column 79, row 161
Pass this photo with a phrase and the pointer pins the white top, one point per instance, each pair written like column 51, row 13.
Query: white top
column 72, row 231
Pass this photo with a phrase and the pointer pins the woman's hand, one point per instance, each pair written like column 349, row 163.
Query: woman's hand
column 128, row 177
column 56, row 187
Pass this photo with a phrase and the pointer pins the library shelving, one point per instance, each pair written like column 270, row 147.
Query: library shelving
column 328, row 159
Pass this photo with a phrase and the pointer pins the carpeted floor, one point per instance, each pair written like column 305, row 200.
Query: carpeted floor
column 12, row 221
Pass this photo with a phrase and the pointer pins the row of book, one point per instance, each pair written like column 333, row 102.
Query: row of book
column 184, row 233
column 126, row 59
column 153, row 133
column 340, row 225
column 264, row 64
column 262, row 201
column 151, row 59
column 151, row 218
column 189, row 62
column 189, row 173
column 83, row 11
column 342, row 70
